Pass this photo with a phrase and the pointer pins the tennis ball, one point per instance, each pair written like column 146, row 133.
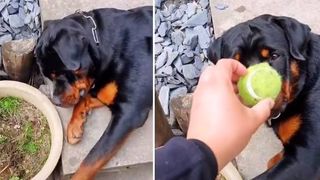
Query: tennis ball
column 260, row 82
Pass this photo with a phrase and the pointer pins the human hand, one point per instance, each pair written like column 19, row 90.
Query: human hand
column 218, row 118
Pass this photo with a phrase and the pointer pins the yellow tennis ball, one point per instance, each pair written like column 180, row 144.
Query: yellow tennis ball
column 261, row 82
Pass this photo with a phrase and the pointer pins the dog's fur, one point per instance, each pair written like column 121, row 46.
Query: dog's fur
column 294, row 51
column 117, row 73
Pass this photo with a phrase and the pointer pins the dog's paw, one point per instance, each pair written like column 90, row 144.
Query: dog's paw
column 74, row 132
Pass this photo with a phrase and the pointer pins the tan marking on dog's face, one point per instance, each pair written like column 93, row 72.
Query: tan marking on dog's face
column 72, row 95
column 283, row 98
column 265, row 53
column 237, row 57
column 294, row 69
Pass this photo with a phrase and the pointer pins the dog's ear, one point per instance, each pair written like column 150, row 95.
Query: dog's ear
column 72, row 50
column 215, row 50
column 297, row 34
column 48, row 35
column 48, row 22
column 70, row 46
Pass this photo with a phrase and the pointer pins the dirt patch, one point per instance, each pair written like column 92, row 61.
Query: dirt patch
column 24, row 139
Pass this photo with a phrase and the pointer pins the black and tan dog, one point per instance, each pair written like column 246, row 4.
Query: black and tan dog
column 289, row 47
column 100, row 58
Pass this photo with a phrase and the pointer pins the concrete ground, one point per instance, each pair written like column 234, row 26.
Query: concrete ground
column 134, row 160
column 57, row 9
column 137, row 149
column 238, row 11
column 264, row 144
column 139, row 172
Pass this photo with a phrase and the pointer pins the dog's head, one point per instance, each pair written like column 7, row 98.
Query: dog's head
column 280, row 41
column 63, row 54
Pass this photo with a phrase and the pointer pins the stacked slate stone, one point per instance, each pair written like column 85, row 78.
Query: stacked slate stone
column 19, row 19
column 183, row 33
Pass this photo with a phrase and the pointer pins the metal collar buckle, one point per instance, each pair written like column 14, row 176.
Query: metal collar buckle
column 276, row 117
column 269, row 122
column 94, row 28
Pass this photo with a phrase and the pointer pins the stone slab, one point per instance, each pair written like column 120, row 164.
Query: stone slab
column 138, row 148
column 140, row 172
column 57, row 9
column 239, row 11
column 254, row 158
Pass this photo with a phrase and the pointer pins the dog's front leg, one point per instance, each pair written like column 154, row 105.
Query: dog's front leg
column 105, row 96
column 80, row 111
column 125, row 118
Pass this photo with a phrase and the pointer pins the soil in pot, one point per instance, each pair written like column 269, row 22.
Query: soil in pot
column 24, row 139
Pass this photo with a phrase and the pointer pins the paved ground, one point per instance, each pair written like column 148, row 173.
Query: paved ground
column 239, row 11
column 252, row 161
column 136, row 150
column 137, row 172
column 59, row 8
column 254, row 158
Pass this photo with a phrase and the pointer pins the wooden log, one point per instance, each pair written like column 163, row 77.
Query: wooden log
column 162, row 128
column 18, row 58
column 181, row 107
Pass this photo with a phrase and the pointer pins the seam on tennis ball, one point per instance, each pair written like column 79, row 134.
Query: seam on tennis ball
column 249, row 85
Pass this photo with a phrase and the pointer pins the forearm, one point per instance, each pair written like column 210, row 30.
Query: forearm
column 185, row 159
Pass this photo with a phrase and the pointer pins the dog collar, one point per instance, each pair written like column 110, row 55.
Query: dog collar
column 94, row 28
column 269, row 122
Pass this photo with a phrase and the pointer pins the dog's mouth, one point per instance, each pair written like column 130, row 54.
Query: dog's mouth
column 79, row 89
column 72, row 95
column 278, row 108
column 282, row 101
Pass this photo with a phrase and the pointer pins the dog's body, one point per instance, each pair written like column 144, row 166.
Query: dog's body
column 294, row 52
column 114, row 69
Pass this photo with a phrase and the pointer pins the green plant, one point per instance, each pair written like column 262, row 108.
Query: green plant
column 28, row 145
column 9, row 105
column 14, row 178
column 28, row 130
column 3, row 139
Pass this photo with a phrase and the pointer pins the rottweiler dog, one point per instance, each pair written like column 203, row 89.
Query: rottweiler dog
column 100, row 58
column 294, row 51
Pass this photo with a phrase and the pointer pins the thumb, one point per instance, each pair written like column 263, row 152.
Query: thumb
column 262, row 111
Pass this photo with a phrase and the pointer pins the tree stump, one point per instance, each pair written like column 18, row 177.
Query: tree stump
column 18, row 58
column 181, row 107
column 162, row 128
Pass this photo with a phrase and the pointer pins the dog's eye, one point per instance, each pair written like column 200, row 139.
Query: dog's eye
column 274, row 56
